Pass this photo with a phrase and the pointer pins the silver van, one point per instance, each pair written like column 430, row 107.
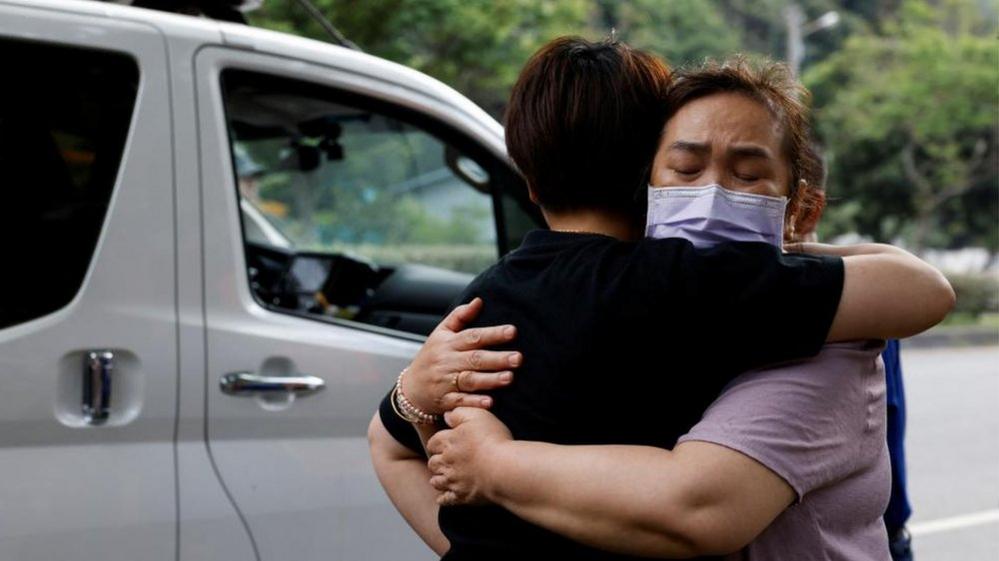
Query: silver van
column 221, row 246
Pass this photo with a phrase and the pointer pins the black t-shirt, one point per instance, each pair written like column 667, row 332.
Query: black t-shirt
column 628, row 343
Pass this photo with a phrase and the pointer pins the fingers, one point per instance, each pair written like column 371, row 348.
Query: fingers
column 482, row 337
column 460, row 415
column 436, row 443
column 486, row 361
column 469, row 381
column 454, row 400
column 793, row 247
column 439, row 482
column 447, row 498
column 436, row 464
column 462, row 315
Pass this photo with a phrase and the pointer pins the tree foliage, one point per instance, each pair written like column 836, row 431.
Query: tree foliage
column 908, row 117
column 475, row 46
column 682, row 31
column 905, row 91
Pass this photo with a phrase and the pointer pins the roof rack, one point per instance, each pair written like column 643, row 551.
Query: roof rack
column 234, row 10
column 221, row 10
column 327, row 25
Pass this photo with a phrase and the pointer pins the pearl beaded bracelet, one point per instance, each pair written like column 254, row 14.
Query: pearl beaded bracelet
column 405, row 408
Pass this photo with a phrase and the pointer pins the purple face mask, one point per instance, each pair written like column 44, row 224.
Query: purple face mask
column 707, row 216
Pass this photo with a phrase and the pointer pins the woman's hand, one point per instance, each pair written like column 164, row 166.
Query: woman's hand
column 453, row 363
column 459, row 458
column 815, row 248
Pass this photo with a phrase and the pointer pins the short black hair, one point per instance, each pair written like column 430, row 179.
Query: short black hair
column 584, row 120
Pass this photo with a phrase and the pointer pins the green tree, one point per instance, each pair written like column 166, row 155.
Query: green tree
column 908, row 117
column 476, row 46
column 682, row 31
column 905, row 90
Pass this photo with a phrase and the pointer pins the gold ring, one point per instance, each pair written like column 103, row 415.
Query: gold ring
column 454, row 380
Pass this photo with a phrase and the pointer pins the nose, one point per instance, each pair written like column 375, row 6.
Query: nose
column 712, row 175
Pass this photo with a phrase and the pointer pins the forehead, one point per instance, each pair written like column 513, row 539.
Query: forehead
column 724, row 118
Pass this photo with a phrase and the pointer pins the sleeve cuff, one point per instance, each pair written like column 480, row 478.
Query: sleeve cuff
column 400, row 429
column 746, row 448
column 828, row 289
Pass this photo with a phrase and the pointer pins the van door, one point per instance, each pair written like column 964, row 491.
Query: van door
column 339, row 226
column 88, row 351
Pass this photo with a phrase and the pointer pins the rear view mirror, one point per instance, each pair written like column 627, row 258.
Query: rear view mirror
column 467, row 169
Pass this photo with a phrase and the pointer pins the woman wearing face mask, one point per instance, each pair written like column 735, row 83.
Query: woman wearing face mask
column 706, row 496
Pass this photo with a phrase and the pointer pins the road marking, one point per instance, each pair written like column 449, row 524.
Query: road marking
column 954, row 522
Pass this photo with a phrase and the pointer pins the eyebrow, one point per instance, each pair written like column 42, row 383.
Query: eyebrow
column 686, row 146
column 750, row 151
column 742, row 150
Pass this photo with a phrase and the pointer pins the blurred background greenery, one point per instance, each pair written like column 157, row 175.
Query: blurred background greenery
column 905, row 92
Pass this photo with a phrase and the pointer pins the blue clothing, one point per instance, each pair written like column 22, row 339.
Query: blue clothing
column 899, row 509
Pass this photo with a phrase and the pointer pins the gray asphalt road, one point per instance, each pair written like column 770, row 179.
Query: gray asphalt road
column 953, row 452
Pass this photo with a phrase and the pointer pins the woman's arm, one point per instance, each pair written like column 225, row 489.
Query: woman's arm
column 447, row 357
column 404, row 474
column 888, row 293
column 700, row 499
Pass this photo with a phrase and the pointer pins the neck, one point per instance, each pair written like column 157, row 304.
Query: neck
column 614, row 224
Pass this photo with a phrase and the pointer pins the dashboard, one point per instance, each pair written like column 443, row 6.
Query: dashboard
column 404, row 297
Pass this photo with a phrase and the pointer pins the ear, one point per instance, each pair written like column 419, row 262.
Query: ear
column 531, row 194
column 806, row 211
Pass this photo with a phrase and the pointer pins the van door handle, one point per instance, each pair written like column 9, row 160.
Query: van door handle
column 250, row 383
column 97, row 369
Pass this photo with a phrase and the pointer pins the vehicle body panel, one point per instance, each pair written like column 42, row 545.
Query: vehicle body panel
column 99, row 492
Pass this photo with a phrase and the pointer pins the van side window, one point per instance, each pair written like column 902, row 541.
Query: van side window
column 355, row 210
column 64, row 118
